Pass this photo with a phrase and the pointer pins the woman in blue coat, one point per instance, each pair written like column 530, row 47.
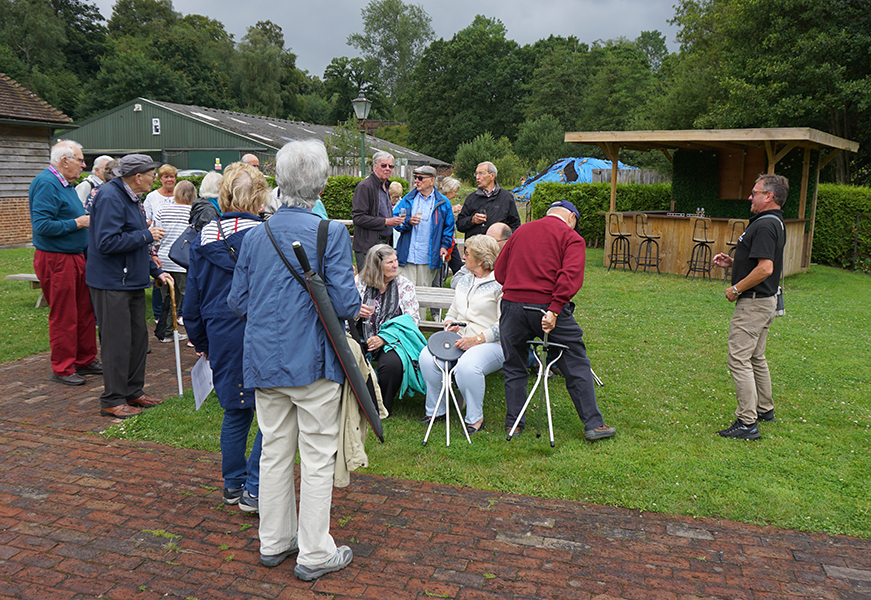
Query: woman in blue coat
column 219, row 334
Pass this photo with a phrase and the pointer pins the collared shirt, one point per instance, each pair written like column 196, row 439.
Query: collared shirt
column 60, row 177
column 492, row 192
column 418, row 251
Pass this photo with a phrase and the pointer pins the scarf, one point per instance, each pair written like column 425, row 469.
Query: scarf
column 386, row 307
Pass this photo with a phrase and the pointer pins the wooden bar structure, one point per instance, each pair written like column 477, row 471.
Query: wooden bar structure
column 750, row 152
column 676, row 244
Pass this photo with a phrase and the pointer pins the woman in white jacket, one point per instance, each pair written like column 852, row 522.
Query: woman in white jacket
column 476, row 303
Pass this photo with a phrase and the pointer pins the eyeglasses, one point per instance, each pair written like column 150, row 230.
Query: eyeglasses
column 422, row 177
column 481, row 173
column 80, row 160
column 385, row 166
column 754, row 192
column 149, row 174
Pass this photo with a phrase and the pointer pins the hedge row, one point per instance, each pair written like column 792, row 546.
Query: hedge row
column 837, row 206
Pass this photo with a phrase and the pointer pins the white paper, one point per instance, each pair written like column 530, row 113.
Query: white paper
column 201, row 378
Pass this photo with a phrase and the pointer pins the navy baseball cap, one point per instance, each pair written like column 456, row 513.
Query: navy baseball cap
column 566, row 205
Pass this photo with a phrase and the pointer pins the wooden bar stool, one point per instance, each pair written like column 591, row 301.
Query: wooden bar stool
column 619, row 243
column 736, row 228
column 648, row 245
column 700, row 260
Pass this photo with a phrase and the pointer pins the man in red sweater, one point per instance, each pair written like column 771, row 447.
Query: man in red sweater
column 542, row 266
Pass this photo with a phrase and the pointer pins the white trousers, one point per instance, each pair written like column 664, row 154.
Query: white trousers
column 475, row 363
column 306, row 417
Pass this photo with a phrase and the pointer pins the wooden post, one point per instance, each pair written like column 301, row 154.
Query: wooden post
column 613, row 154
column 805, row 173
column 806, row 259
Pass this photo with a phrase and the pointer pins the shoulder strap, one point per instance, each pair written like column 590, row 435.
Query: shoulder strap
column 287, row 264
column 783, row 229
column 223, row 236
column 323, row 230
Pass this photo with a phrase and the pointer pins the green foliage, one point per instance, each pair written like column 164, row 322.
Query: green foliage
column 344, row 78
column 541, row 140
column 510, row 169
column 265, row 79
column 593, row 198
column 339, row 191
column 834, row 236
column 141, row 17
column 696, row 180
column 343, row 145
column 394, row 36
column 483, row 148
column 395, row 134
column 464, row 87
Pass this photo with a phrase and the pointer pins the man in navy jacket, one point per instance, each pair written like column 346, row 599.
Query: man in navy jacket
column 118, row 272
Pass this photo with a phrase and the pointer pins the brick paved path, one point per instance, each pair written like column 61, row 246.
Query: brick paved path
column 82, row 517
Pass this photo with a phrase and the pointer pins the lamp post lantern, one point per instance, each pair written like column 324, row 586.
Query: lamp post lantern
column 361, row 110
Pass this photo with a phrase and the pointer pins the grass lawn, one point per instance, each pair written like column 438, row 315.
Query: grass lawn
column 659, row 344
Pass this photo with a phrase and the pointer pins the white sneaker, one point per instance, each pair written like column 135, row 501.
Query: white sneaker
column 342, row 559
column 168, row 339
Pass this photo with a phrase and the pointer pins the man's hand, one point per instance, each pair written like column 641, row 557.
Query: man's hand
column 156, row 260
column 722, row 260
column 444, row 252
column 164, row 279
column 478, row 218
column 83, row 222
column 548, row 321
column 157, row 233
column 414, row 220
column 393, row 221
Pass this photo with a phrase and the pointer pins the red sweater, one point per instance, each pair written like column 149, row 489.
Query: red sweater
column 542, row 263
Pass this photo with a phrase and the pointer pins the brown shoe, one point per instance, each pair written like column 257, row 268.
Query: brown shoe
column 145, row 401
column 122, row 411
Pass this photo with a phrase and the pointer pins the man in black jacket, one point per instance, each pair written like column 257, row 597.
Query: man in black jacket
column 487, row 205
column 371, row 209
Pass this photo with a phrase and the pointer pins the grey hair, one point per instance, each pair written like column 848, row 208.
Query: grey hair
column 491, row 168
column 372, row 274
column 381, row 155
column 484, row 249
column 101, row 161
column 448, row 185
column 210, row 186
column 778, row 185
column 63, row 149
column 302, row 168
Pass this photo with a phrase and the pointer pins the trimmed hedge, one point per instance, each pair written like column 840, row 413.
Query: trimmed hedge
column 593, row 198
column 834, row 235
column 339, row 191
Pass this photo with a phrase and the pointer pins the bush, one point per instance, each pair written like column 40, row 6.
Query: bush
column 483, row 148
column 834, row 234
column 339, row 191
column 593, row 198
column 510, row 169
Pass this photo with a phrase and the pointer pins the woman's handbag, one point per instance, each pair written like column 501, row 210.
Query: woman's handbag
column 180, row 251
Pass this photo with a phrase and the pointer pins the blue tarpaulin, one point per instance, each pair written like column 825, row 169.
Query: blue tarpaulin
column 566, row 170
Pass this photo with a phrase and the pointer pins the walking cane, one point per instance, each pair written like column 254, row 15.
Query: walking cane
column 175, row 337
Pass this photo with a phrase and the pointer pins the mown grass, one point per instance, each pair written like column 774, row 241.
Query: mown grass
column 659, row 344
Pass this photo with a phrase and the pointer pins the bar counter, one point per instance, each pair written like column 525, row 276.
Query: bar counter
column 676, row 241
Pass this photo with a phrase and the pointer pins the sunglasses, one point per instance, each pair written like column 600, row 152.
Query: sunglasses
column 422, row 177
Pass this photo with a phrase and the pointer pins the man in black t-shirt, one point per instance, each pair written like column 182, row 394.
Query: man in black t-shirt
column 756, row 270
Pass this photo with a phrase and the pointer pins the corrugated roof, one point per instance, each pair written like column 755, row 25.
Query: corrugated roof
column 277, row 132
column 17, row 103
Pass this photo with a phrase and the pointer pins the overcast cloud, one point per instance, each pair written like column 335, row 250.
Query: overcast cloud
column 317, row 31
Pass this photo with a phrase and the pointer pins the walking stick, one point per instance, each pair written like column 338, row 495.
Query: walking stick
column 175, row 337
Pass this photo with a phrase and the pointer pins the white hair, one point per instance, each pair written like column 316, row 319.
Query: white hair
column 210, row 185
column 63, row 149
column 100, row 161
column 491, row 168
column 302, row 168
column 448, row 185
column 381, row 155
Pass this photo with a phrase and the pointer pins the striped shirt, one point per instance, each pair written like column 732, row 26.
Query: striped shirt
column 174, row 219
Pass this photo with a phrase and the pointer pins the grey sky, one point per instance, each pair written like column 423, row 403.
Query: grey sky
column 317, row 31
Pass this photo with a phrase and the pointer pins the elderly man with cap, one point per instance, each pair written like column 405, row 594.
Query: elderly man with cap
column 60, row 236
column 118, row 271
column 542, row 266
column 427, row 230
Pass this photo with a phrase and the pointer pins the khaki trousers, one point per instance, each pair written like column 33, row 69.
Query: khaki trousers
column 748, row 332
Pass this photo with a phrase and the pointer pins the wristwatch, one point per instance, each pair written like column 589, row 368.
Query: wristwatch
column 734, row 289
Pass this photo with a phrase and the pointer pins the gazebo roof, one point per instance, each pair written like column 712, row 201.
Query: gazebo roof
column 709, row 139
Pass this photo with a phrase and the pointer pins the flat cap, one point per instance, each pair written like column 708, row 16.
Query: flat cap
column 425, row 170
column 133, row 164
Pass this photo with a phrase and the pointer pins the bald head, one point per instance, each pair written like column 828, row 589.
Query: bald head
column 499, row 232
column 250, row 159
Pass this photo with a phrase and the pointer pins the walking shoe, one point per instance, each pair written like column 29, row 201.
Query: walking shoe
column 740, row 431
column 248, row 503
column 517, row 432
column 600, row 433
column 342, row 559
column 232, row 495
column 426, row 419
column 95, row 368
column 168, row 339
column 145, row 401
column 71, row 379
column 122, row 411
column 768, row 415
column 273, row 560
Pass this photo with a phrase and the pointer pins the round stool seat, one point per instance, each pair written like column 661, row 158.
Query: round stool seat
column 441, row 345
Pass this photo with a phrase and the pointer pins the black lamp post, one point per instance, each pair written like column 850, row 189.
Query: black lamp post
column 361, row 109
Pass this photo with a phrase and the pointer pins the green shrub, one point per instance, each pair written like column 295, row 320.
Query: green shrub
column 593, row 198
column 340, row 190
column 509, row 170
column 834, row 235
column 483, row 148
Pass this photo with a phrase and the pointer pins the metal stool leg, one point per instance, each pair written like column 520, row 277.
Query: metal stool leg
column 445, row 391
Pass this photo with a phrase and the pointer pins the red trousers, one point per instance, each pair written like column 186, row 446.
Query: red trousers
column 71, row 327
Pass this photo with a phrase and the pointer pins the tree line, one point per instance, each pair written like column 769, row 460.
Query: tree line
column 767, row 63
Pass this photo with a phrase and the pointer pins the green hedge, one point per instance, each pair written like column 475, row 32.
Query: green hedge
column 339, row 191
column 593, row 198
column 837, row 206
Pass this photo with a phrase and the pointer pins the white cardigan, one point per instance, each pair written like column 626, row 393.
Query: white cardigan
column 478, row 303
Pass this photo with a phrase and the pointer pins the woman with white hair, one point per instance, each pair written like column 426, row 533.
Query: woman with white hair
column 477, row 304
column 206, row 207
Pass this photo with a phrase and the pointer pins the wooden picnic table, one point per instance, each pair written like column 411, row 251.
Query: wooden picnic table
column 34, row 284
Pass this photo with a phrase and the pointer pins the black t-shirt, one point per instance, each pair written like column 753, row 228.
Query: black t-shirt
column 763, row 238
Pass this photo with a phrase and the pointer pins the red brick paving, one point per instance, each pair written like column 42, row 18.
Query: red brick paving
column 83, row 517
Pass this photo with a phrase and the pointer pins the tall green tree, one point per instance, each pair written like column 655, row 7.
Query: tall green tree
column 465, row 86
column 344, row 78
column 394, row 37
column 141, row 17
column 266, row 80
column 800, row 63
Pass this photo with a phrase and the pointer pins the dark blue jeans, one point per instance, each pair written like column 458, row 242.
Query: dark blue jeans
column 237, row 470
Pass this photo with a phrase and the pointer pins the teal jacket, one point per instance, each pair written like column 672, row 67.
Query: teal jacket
column 401, row 335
